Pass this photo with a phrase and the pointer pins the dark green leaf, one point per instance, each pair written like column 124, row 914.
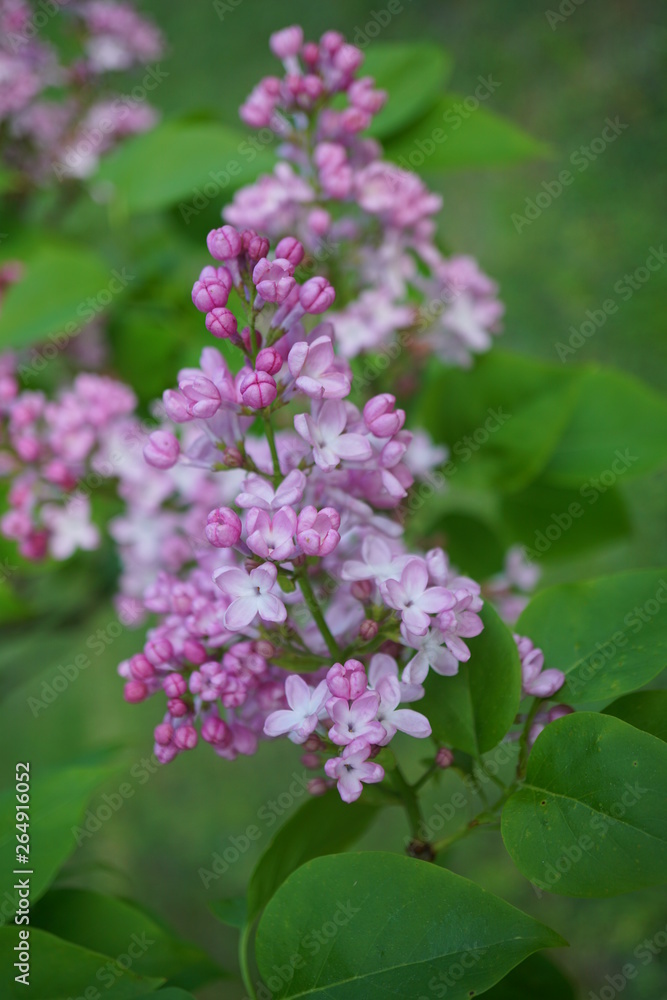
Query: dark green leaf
column 233, row 911
column 591, row 818
column 535, row 978
column 102, row 923
column 646, row 710
column 473, row 710
column 60, row 970
column 454, row 135
column 57, row 295
column 609, row 636
column 381, row 926
column 322, row 825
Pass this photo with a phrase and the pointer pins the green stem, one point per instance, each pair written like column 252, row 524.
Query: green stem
column 316, row 611
column 523, row 740
column 409, row 800
column 420, row 782
column 244, row 961
column 271, row 438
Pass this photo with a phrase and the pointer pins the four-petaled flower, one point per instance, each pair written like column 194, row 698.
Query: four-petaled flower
column 305, row 705
column 352, row 768
column 312, row 365
column 250, row 595
column 412, row 596
column 325, row 431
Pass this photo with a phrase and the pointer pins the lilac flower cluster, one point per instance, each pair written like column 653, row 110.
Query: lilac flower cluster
column 44, row 131
column 50, row 450
column 332, row 188
column 305, row 565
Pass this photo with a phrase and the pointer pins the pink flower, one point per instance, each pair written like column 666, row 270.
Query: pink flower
column 316, row 295
column 202, row 396
column 393, row 718
column 273, row 279
column 224, row 243
column 317, row 531
column 324, row 430
column 461, row 622
column 382, row 666
column 221, row 322
column 258, row 492
column 380, row 416
column 347, row 680
column 379, row 561
column 412, row 596
column 352, row 768
column 305, row 704
column 251, row 595
column 287, row 42
column 431, row 652
column 356, row 719
column 211, row 288
column 537, row 682
column 269, row 360
column 312, row 365
column 271, row 538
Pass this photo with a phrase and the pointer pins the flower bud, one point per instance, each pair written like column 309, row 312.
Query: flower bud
column 287, row 42
column 135, row 691
column 347, row 680
column 264, row 648
column 174, row 685
column 269, row 360
column 216, row 731
column 368, row 630
column 444, row 758
column 141, row 668
column 311, row 761
column 232, row 457
column 380, row 416
column 185, row 737
column 176, row 406
column 163, row 734
column 258, row 389
column 162, row 450
column 317, row 786
column 177, row 707
column 362, row 590
column 289, row 248
column 254, row 245
column 202, row 395
column 158, row 651
column 224, row 243
column 212, row 288
column 194, row 651
column 221, row 323
column 223, row 527
column 316, row 295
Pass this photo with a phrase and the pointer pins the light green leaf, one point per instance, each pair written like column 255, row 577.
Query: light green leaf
column 458, row 133
column 591, row 817
column 413, row 74
column 645, row 710
column 473, row 710
column 60, row 970
column 102, row 923
column 57, row 802
column 59, row 292
column 192, row 163
column 609, row 636
column 381, row 926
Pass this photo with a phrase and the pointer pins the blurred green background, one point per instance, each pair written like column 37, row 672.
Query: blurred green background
column 560, row 81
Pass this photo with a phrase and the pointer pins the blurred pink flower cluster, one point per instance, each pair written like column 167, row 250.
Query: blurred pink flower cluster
column 58, row 119
column 353, row 210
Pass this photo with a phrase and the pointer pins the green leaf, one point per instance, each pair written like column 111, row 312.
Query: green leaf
column 501, row 421
column 645, row 710
column 473, row 710
column 617, row 430
column 60, row 970
column 591, row 817
column 59, row 292
column 381, row 926
column 193, row 163
column 472, row 544
column 608, row 636
column 557, row 523
column 57, row 802
column 536, row 977
column 102, row 923
column 232, row 911
column 413, row 74
column 323, row 825
column 454, row 136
